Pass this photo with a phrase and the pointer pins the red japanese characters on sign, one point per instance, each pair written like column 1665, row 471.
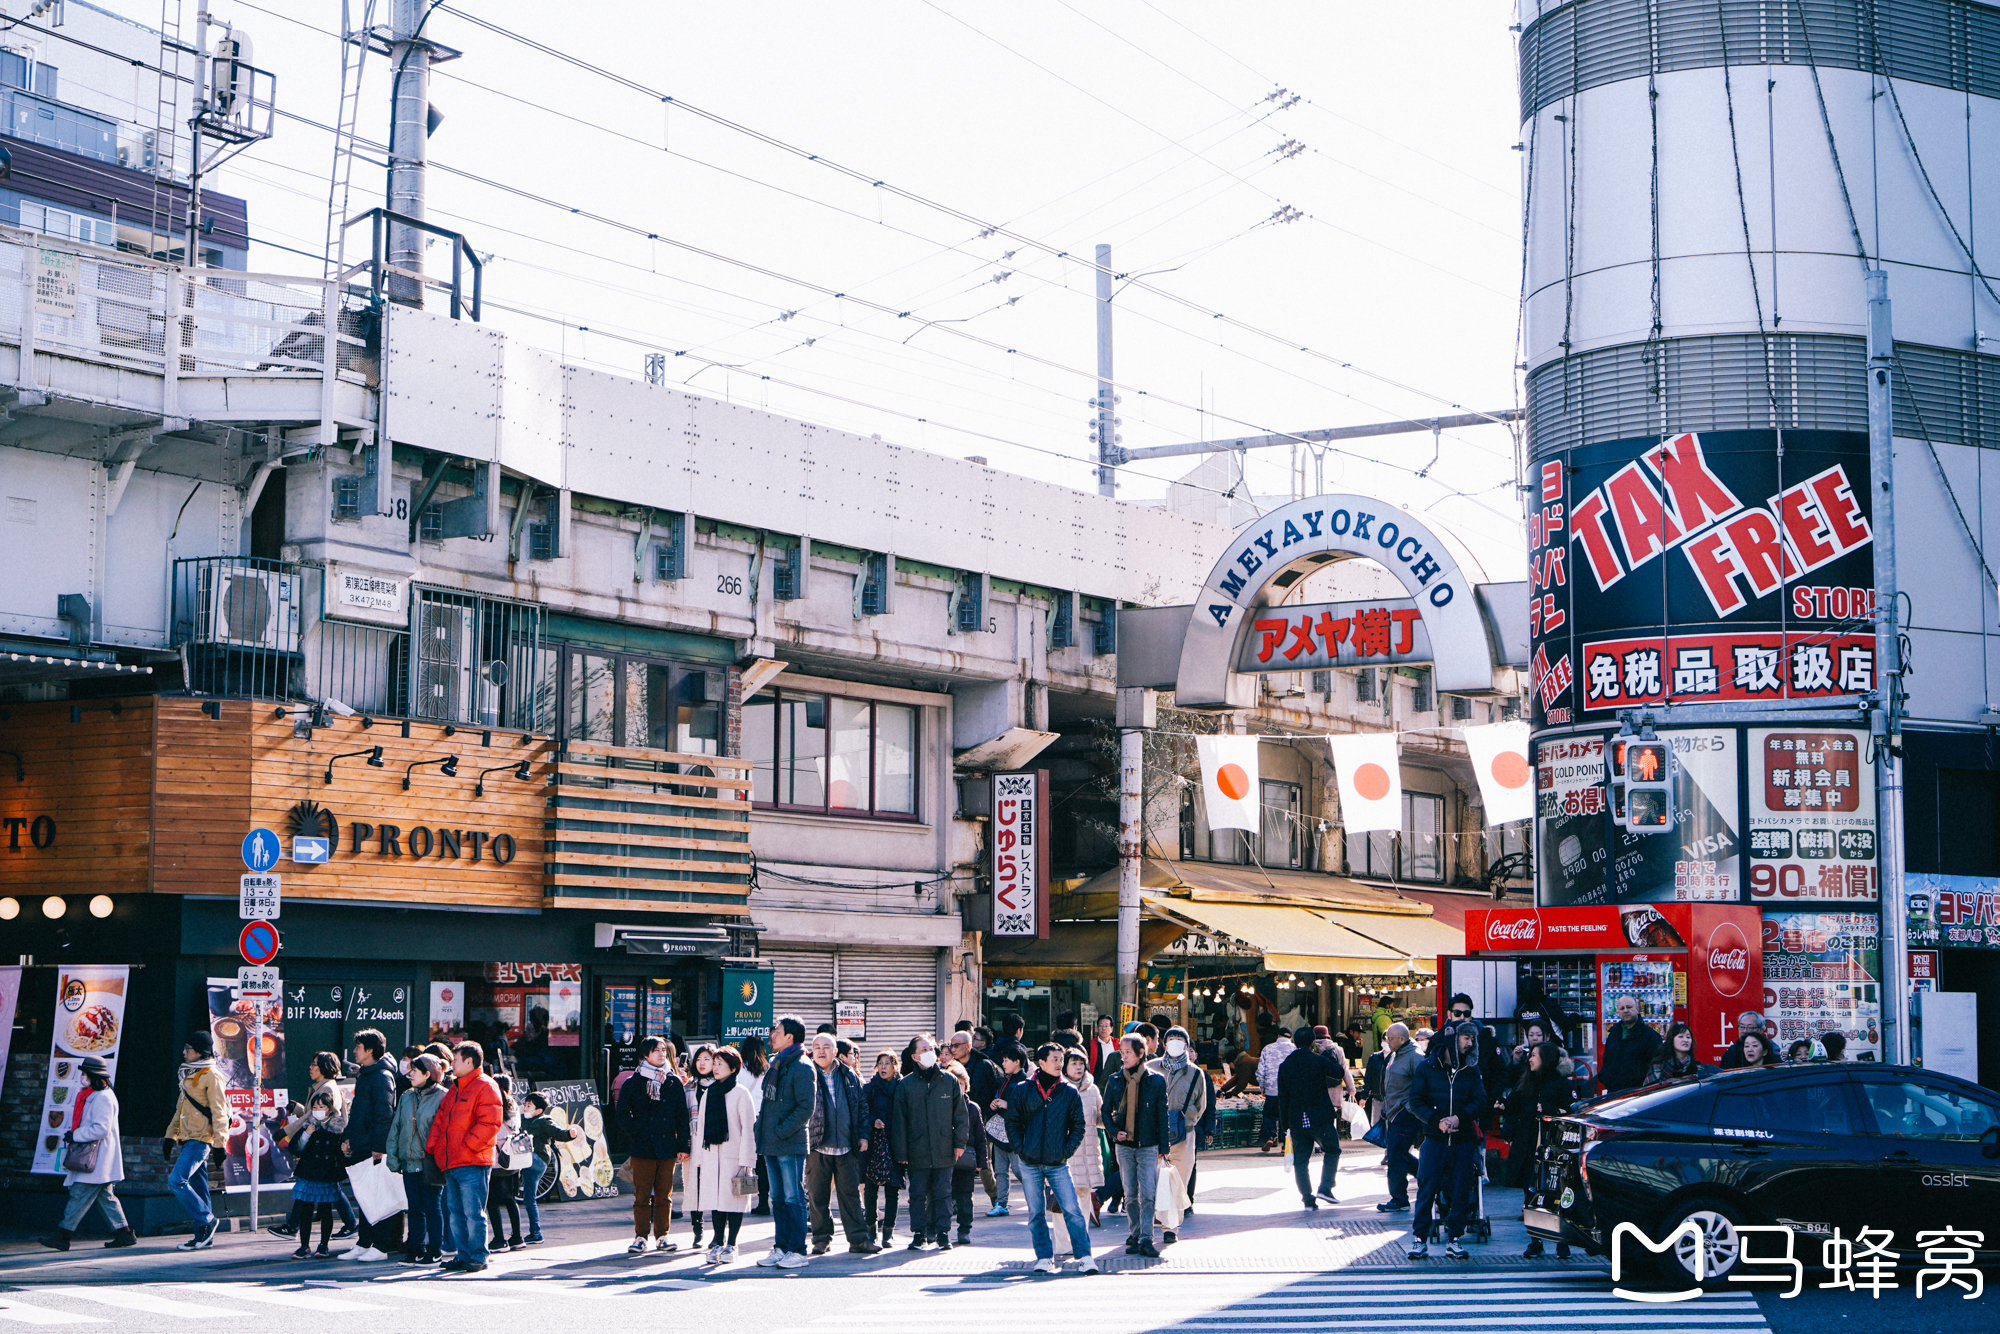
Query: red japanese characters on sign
column 1621, row 673
column 1334, row 634
column 534, row 972
column 1020, row 854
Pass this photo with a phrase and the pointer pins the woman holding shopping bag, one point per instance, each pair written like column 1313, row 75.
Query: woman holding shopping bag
column 722, row 1173
column 409, row 1128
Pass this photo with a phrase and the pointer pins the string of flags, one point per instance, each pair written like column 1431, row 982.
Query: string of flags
column 1370, row 777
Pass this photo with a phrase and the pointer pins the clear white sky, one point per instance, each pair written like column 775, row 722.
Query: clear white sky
column 1143, row 123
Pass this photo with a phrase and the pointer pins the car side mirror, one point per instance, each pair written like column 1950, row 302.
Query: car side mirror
column 1989, row 1143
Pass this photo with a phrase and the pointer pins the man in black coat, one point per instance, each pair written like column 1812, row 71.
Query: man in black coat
column 933, row 1123
column 1629, row 1048
column 368, row 1119
column 1135, row 1112
column 1307, row 1110
column 1448, row 1098
column 1045, row 1125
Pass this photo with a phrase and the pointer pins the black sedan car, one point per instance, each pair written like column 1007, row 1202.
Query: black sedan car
column 1810, row 1147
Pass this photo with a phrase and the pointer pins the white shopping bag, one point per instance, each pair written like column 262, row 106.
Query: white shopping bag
column 1170, row 1200
column 377, row 1190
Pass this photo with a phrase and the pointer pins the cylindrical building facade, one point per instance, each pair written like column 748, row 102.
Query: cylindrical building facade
column 1709, row 183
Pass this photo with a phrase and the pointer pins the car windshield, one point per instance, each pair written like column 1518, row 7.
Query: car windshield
column 1656, row 1102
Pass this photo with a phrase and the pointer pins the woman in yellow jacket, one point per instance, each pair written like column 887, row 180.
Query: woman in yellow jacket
column 201, row 1123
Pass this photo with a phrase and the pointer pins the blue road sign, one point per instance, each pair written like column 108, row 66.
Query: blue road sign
column 309, row 851
column 260, row 850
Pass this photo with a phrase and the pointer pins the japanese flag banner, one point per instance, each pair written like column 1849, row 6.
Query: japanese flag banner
column 1229, row 792
column 1371, row 785
column 1506, row 779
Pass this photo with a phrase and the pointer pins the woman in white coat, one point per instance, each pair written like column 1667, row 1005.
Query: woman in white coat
column 93, row 1123
column 1086, row 1165
column 724, row 1134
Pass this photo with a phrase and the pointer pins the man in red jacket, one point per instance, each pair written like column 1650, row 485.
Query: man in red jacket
column 461, row 1139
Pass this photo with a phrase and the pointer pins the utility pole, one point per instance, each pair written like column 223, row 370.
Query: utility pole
column 1106, row 400
column 410, row 94
column 197, row 112
column 1137, row 712
column 1885, row 723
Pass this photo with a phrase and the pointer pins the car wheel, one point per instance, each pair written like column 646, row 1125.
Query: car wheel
column 1721, row 1244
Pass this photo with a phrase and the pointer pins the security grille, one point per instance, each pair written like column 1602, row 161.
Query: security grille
column 1062, row 621
column 1950, row 43
column 875, row 585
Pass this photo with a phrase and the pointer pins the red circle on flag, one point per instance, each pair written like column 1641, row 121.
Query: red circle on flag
column 1372, row 782
column 1235, row 784
column 1510, row 769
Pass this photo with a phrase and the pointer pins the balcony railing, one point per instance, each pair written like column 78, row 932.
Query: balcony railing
column 263, row 629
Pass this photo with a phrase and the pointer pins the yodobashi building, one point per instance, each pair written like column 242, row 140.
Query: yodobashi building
column 1707, row 200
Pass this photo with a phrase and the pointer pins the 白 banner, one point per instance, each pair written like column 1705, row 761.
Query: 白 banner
column 90, row 1021
column 1700, row 567
column 1812, row 816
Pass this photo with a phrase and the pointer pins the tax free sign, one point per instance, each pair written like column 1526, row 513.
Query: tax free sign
column 1236, row 621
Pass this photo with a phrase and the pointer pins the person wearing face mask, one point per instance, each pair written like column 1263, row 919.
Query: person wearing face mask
column 409, row 1128
column 201, row 1123
column 317, row 1168
column 1188, row 1090
column 1045, row 1126
column 928, row 1131
column 881, row 1179
column 1135, row 1110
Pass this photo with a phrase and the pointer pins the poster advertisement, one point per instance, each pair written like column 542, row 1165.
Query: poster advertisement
column 1958, row 912
column 747, row 1006
column 1822, row 974
column 850, row 1020
column 1019, row 857
column 1586, row 859
column 1812, row 816
column 583, row 1166
column 247, row 1041
column 90, row 1021
column 1700, row 566
column 1570, row 824
column 447, row 1010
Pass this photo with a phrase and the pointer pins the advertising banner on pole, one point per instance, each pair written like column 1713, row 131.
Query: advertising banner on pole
column 89, row 1021
column 1020, row 857
column 1823, row 974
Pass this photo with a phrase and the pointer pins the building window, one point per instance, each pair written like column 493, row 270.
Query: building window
column 1104, row 637
column 971, row 602
column 1322, row 685
column 1420, row 692
column 1364, row 685
column 831, row 753
column 875, row 584
column 620, row 699
column 1461, row 709
column 1415, row 853
column 347, row 497
column 1279, row 837
column 544, row 531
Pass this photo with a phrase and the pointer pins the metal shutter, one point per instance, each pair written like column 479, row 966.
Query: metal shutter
column 803, row 984
column 900, row 987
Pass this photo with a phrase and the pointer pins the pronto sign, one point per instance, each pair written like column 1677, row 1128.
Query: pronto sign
column 1298, row 538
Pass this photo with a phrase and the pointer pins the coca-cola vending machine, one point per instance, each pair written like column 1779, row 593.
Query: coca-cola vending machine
column 1695, row 963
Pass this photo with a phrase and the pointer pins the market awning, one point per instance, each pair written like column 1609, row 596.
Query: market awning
column 1074, row 950
column 1420, row 937
column 1294, row 939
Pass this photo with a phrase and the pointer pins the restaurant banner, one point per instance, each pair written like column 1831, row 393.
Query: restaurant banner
column 240, row 1049
column 582, row 1167
column 1823, row 974
column 89, row 1021
column 1020, row 853
column 1956, row 912
column 1700, row 567
column 1812, row 816
column 747, row 1003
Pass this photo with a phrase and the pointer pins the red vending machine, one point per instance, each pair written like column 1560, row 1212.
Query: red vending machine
column 1700, row 964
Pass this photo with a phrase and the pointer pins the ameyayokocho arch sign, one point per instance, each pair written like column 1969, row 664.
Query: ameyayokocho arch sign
column 1270, row 555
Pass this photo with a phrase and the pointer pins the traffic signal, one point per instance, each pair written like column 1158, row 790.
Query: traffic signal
column 1649, row 769
column 1641, row 779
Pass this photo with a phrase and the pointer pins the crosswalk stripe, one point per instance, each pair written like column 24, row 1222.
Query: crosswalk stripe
column 451, row 1294
column 42, row 1315
column 303, row 1301
column 139, row 1299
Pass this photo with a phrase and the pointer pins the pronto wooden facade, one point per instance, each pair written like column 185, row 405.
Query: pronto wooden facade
column 157, row 797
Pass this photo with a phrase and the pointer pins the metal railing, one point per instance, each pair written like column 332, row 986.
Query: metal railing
column 63, row 297
column 246, row 626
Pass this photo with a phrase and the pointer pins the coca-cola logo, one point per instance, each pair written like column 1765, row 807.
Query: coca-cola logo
column 1513, row 931
column 1728, row 959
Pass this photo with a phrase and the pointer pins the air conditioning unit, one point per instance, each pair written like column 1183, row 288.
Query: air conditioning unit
column 444, row 662
column 244, row 607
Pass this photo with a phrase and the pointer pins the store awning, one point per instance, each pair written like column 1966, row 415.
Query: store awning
column 1420, row 937
column 1074, row 951
column 1294, row 939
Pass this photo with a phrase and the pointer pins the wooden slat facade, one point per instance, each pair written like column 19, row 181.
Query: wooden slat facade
column 159, row 796
column 624, row 831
